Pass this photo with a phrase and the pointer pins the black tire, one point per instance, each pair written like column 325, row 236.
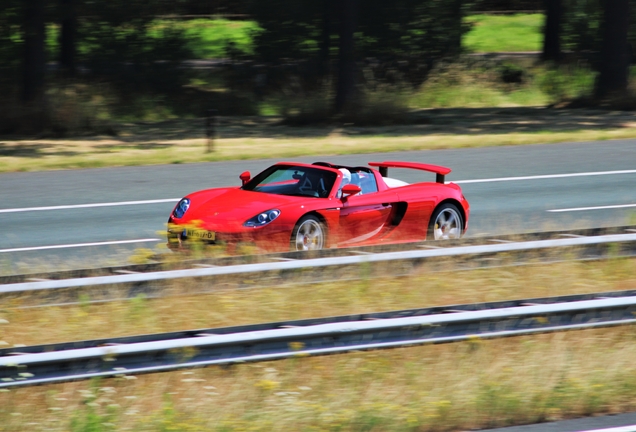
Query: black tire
column 308, row 234
column 446, row 223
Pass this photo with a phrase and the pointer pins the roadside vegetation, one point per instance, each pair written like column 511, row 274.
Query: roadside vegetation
column 210, row 38
column 126, row 121
column 206, row 38
column 475, row 384
column 101, row 105
column 472, row 101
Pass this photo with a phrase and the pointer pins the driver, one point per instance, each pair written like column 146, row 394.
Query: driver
column 346, row 179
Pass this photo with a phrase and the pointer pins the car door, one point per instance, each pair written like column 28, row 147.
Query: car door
column 364, row 217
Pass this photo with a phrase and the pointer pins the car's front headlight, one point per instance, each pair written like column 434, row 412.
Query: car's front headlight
column 262, row 218
column 181, row 208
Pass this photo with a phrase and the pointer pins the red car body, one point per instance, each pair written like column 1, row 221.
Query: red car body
column 279, row 210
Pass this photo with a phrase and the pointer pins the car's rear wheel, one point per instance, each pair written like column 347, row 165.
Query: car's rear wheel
column 446, row 223
column 309, row 234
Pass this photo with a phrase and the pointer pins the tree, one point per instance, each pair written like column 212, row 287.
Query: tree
column 68, row 35
column 615, row 49
column 11, row 23
column 34, row 63
column 325, row 37
column 552, row 31
column 346, row 80
column 456, row 26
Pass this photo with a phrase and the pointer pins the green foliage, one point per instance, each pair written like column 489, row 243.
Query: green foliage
column 582, row 25
column 412, row 29
column 94, row 415
column 476, row 83
column 409, row 32
column 138, row 309
column 376, row 107
column 470, row 83
column 511, row 73
column 498, row 403
column 291, row 28
column 564, row 83
column 135, row 51
column 581, row 29
column 9, row 36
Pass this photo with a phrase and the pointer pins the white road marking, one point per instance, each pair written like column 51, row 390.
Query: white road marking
column 76, row 245
column 618, row 206
column 78, row 206
column 158, row 201
column 630, row 428
column 548, row 176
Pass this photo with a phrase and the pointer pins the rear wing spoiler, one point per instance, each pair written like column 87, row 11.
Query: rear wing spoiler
column 440, row 171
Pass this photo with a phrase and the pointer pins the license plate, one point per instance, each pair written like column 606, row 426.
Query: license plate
column 200, row 234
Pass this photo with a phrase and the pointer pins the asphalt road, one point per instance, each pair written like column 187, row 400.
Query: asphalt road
column 54, row 218
column 608, row 423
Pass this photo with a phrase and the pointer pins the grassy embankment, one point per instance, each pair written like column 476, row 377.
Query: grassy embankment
column 430, row 388
column 183, row 141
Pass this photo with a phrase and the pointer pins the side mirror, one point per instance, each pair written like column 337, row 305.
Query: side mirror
column 350, row 189
column 245, row 177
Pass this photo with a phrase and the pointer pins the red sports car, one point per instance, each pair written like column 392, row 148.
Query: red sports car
column 300, row 206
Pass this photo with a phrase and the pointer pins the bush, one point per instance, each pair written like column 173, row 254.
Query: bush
column 379, row 107
column 512, row 74
column 79, row 109
column 566, row 83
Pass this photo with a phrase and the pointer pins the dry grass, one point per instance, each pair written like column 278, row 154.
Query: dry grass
column 228, row 306
column 183, row 141
column 448, row 387
column 433, row 388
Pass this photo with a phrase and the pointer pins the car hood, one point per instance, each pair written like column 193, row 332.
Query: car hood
column 232, row 206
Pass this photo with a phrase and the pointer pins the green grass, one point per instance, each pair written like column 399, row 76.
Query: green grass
column 476, row 96
column 497, row 33
column 208, row 38
column 205, row 38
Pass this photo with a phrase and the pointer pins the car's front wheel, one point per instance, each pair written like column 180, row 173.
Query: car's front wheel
column 446, row 223
column 309, row 234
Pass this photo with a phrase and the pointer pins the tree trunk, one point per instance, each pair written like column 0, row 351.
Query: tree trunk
column 68, row 36
column 346, row 83
column 615, row 49
column 552, row 31
column 325, row 38
column 457, row 17
column 33, row 63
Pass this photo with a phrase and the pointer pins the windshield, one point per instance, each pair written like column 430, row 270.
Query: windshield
column 293, row 180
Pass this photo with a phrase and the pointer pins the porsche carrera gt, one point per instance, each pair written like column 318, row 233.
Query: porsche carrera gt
column 296, row 206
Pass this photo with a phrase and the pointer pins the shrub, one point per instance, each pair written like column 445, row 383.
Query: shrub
column 382, row 106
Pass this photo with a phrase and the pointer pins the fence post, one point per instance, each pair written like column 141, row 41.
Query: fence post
column 210, row 129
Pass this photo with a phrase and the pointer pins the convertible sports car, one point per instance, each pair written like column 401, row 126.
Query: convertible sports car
column 296, row 206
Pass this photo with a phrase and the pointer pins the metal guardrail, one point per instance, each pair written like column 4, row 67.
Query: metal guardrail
column 161, row 262
column 198, row 348
column 316, row 263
